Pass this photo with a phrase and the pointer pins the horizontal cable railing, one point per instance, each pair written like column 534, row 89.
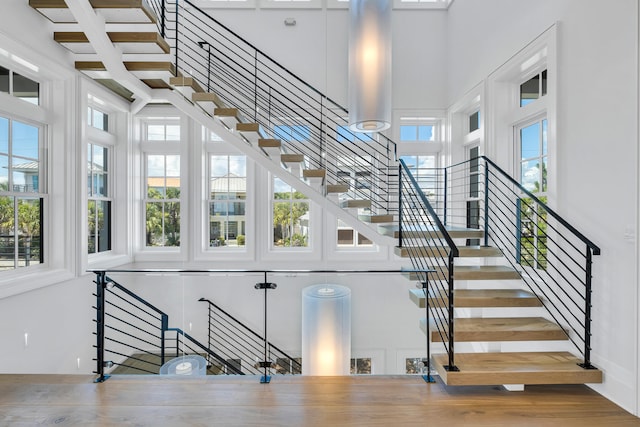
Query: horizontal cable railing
column 286, row 107
column 232, row 347
column 553, row 258
column 132, row 334
column 430, row 247
column 237, row 342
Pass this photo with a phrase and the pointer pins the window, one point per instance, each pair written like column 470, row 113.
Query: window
column 474, row 121
column 417, row 133
column 344, row 134
column 99, row 202
column 21, row 195
column 97, row 119
column 423, row 170
column 298, row 133
column 361, row 366
column 532, row 229
column 415, row 365
column 533, row 88
column 162, row 203
column 19, row 86
column 227, row 196
column 163, row 132
column 290, row 216
column 348, row 237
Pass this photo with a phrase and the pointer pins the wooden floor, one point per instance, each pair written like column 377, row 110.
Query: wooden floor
column 29, row 400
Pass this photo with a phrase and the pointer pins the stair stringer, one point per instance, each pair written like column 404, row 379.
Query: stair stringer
column 259, row 157
column 95, row 29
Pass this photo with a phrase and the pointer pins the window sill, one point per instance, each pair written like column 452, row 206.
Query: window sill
column 18, row 282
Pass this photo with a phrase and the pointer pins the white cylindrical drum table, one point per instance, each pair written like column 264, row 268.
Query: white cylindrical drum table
column 326, row 330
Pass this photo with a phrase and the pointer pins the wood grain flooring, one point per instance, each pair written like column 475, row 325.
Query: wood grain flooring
column 28, row 400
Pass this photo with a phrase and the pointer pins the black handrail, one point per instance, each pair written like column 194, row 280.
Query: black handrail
column 557, row 217
column 536, row 241
column 133, row 324
column 247, row 330
column 266, row 91
column 430, row 247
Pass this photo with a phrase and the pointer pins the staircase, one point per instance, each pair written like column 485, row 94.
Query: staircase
column 155, row 51
column 515, row 317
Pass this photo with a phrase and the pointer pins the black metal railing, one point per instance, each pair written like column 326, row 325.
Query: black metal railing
column 127, row 325
column 285, row 106
column 430, row 247
column 132, row 333
column 553, row 258
column 235, row 341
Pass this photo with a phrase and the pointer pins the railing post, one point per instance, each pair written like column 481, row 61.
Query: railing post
column 101, row 285
column 163, row 11
column 427, row 362
column 400, row 205
column 486, row 204
column 255, row 86
column 587, row 313
column 265, row 363
column 164, row 325
column 444, row 208
column 177, row 30
column 451, row 367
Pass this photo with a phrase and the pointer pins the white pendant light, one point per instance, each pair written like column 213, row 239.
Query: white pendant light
column 369, row 65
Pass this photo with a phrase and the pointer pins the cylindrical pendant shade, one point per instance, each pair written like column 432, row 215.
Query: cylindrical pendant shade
column 326, row 330
column 369, row 65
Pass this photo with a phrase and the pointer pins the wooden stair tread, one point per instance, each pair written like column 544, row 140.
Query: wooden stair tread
column 376, row 219
column 188, row 82
column 113, row 11
column 248, row 127
column 418, row 231
column 76, row 41
column 226, row 112
column 314, row 173
column 515, row 368
column 291, row 158
column 500, row 329
column 269, row 143
column 355, row 203
column 436, row 250
column 471, row 272
column 476, row 298
column 337, row 188
column 205, row 97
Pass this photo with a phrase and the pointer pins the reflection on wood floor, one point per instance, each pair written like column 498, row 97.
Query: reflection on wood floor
column 221, row 400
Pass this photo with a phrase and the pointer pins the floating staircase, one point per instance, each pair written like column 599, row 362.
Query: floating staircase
column 134, row 39
column 130, row 49
column 494, row 311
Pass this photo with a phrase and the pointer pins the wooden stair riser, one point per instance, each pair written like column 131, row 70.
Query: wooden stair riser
column 112, row 11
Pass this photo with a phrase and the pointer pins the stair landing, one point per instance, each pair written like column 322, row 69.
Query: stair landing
column 515, row 368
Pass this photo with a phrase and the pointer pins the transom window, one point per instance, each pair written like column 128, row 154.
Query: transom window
column 227, row 201
column 474, row 121
column 97, row 119
column 163, row 132
column 21, row 195
column 19, row 86
column 162, row 204
column 533, row 88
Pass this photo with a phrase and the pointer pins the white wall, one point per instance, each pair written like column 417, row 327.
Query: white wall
column 597, row 156
column 316, row 49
